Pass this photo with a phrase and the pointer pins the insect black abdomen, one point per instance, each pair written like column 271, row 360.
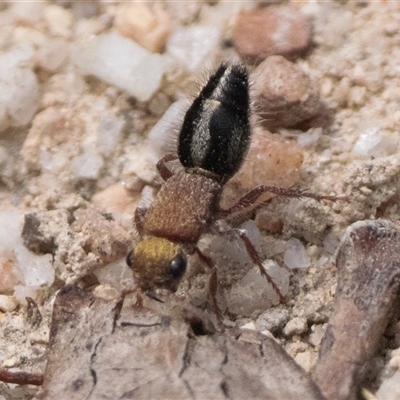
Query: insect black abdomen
column 215, row 134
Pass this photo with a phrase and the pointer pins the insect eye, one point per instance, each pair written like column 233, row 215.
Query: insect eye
column 129, row 258
column 177, row 267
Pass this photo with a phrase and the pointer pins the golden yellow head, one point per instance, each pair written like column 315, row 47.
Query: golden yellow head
column 157, row 263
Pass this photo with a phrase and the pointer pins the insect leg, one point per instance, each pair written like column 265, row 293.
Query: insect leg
column 249, row 199
column 21, row 378
column 120, row 303
column 139, row 224
column 252, row 252
column 212, row 283
column 163, row 168
column 139, row 218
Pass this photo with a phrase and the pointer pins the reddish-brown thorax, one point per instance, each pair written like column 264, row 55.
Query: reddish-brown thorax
column 184, row 207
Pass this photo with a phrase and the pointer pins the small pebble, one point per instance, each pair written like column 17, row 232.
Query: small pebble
column 313, row 308
column 116, row 275
column 375, row 142
column 7, row 303
column 22, row 292
column 282, row 30
column 187, row 12
column 116, row 198
column 390, row 389
column 313, row 251
column 194, row 46
column 50, row 128
column 10, row 362
column 317, row 332
column 295, row 326
column 296, row 347
column 141, row 165
column 269, row 221
column 53, row 54
column 32, row 36
column 109, row 134
column 331, row 243
column 304, row 359
column 87, row 165
column 271, row 160
column 296, row 255
column 31, row 269
column 85, row 10
column 8, row 279
column 285, row 95
column 59, row 20
column 309, row 138
column 147, row 26
column 250, row 336
column 395, row 359
column 251, row 294
column 10, row 222
column 88, row 27
column 29, row 12
column 249, row 325
column 273, row 319
column 19, row 87
column 106, row 292
column 104, row 238
column 133, row 69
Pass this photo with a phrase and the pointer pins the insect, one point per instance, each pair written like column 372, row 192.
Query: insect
column 212, row 145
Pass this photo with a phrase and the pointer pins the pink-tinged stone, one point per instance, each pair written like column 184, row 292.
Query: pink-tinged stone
column 262, row 32
column 51, row 128
column 284, row 95
column 149, row 27
column 7, row 277
column 116, row 198
column 272, row 160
